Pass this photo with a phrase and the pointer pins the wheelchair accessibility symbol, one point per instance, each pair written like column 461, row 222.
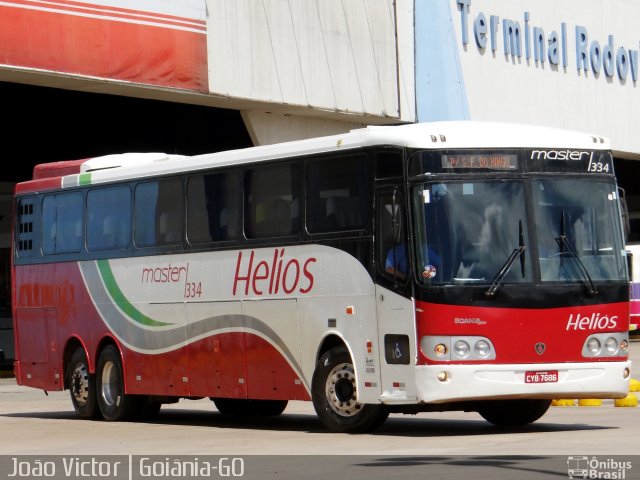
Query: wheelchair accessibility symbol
column 397, row 351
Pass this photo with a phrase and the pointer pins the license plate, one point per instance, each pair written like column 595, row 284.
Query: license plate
column 549, row 376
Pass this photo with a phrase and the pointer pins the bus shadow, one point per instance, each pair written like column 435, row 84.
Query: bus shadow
column 405, row 426
column 295, row 422
column 430, row 427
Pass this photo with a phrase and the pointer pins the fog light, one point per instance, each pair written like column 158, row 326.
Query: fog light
column 443, row 376
column 593, row 346
column 461, row 349
column 440, row 349
column 611, row 345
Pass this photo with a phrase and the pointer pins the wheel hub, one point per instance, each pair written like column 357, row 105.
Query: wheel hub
column 341, row 390
column 108, row 385
column 80, row 384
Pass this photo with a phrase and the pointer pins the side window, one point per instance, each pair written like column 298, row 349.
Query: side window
column 393, row 255
column 388, row 164
column 214, row 207
column 338, row 194
column 109, row 218
column 272, row 201
column 159, row 213
column 62, row 223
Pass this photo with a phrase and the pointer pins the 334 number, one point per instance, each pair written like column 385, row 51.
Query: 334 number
column 598, row 167
column 193, row 290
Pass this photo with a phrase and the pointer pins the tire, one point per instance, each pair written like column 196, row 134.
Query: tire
column 113, row 403
column 512, row 413
column 82, row 385
column 249, row 407
column 333, row 391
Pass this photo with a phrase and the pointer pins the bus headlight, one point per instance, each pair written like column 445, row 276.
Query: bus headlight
column 461, row 349
column 593, row 346
column 611, row 345
column 482, row 348
column 468, row 348
column 606, row 345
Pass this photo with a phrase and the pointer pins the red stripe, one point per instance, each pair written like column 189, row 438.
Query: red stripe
column 106, row 49
column 114, row 11
column 57, row 169
column 38, row 185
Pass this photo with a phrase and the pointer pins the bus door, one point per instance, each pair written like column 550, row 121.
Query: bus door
column 396, row 326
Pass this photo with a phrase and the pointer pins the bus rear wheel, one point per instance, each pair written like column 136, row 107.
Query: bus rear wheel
column 249, row 407
column 334, row 394
column 513, row 413
column 114, row 404
column 82, row 385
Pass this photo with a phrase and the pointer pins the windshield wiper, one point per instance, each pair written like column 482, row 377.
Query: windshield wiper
column 502, row 273
column 581, row 273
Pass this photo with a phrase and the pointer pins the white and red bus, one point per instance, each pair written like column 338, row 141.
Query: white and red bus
column 425, row 267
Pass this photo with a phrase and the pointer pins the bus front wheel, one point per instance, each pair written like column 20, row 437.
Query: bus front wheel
column 114, row 404
column 334, row 394
column 82, row 385
column 512, row 413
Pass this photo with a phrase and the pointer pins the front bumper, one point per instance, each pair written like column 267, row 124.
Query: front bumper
column 493, row 382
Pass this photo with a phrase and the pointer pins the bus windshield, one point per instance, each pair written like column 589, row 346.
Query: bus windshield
column 576, row 230
column 466, row 231
column 479, row 232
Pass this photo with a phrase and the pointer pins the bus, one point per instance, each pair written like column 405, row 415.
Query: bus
column 425, row 267
column 633, row 259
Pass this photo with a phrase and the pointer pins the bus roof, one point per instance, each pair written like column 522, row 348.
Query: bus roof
column 432, row 135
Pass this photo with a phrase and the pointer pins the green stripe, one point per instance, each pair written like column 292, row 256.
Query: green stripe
column 84, row 179
column 120, row 300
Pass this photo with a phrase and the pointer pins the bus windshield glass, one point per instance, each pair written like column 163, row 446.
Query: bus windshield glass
column 480, row 231
column 466, row 231
column 577, row 231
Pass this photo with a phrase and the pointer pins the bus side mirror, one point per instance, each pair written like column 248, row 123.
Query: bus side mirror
column 624, row 213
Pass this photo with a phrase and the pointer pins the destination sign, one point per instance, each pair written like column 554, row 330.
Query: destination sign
column 492, row 161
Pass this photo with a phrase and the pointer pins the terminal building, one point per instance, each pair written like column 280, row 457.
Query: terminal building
column 84, row 79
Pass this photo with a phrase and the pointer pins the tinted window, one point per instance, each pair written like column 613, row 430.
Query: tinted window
column 393, row 256
column 388, row 164
column 577, row 233
column 108, row 218
column 159, row 213
column 272, row 201
column 214, row 210
column 62, row 223
column 338, row 194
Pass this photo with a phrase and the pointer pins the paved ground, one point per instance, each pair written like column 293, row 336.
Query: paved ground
column 38, row 424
